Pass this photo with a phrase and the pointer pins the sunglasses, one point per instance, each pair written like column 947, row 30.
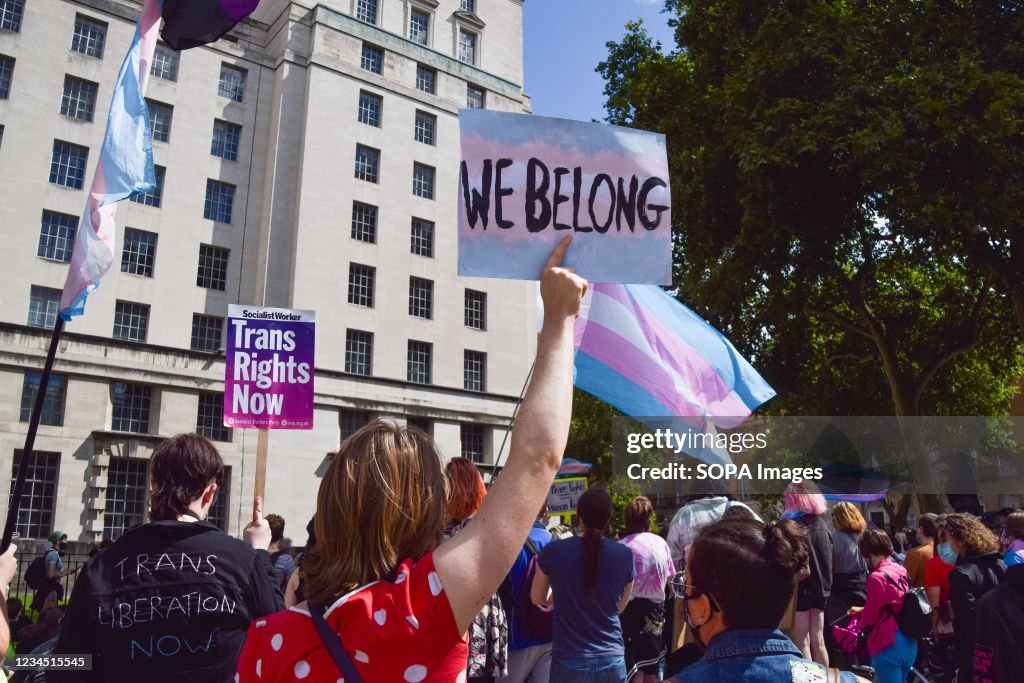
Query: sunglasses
column 687, row 591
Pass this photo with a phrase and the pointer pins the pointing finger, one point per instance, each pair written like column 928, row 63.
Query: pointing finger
column 555, row 259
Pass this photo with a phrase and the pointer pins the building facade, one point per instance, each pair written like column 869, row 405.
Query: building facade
column 308, row 160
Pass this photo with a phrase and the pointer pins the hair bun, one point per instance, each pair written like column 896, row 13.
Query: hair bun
column 786, row 545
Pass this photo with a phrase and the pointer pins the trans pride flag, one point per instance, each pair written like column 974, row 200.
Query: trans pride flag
column 125, row 167
column 643, row 352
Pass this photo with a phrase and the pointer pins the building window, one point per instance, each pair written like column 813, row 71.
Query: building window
column 426, row 79
column 476, row 309
column 422, row 238
column 349, row 422
column 57, row 236
column 132, row 403
column 43, row 305
column 165, row 62
column 53, row 403
column 467, row 47
column 67, row 166
column 6, row 74
column 425, row 126
column 10, row 15
column 218, row 514
column 419, row 362
column 207, row 333
column 160, row 120
column 154, row 196
column 364, row 222
column 474, row 371
column 131, row 321
column 361, row 284
column 369, row 108
column 232, row 83
column 373, row 59
column 467, row 5
column 366, row 10
column 220, row 198
column 419, row 27
column 139, row 252
column 210, row 418
column 423, row 180
column 472, row 442
column 127, row 485
column 213, row 267
column 226, row 137
column 359, row 352
column 421, row 297
column 39, row 498
column 474, row 97
column 79, row 100
column 89, row 36
column 424, row 424
column 367, row 163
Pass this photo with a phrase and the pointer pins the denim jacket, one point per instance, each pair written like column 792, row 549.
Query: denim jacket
column 754, row 655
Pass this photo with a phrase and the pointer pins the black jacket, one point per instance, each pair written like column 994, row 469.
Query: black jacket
column 969, row 581
column 819, row 584
column 999, row 652
column 168, row 601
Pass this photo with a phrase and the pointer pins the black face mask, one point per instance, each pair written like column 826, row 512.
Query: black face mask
column 696, row 629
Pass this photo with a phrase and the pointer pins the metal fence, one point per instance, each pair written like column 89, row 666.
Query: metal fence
column 22, row 591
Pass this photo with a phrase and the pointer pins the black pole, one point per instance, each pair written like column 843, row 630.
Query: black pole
column 30, row 438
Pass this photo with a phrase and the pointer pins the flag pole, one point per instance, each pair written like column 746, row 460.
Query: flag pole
column 30, row 437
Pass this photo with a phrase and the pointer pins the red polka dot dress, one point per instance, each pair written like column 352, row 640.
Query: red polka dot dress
column 401, row 631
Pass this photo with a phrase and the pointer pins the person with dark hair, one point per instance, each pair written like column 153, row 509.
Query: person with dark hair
column 283, row 562
column 45, row 629
column 979, row 569
column 1013, row 529
column 643, row 620
column 171, row 600
column 740, row 578
column 917, row 558
column 892, row 653
column 488, row 635
column 806, row 506
column 590, row 578
column 379, row 580
column 53, row 591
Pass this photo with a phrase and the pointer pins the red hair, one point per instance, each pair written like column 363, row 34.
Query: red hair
column 465, row 488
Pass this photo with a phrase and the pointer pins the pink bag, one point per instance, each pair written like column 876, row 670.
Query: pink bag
column 851, row 637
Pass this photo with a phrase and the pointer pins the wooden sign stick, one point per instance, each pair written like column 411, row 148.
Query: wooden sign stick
column 261, row 471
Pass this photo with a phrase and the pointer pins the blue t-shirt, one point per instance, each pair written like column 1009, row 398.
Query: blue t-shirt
column 540, row 537
column 586, row 626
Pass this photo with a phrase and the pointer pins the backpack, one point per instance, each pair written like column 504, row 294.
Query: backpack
column 533, row 621
column 35, row 575
column 915, row 617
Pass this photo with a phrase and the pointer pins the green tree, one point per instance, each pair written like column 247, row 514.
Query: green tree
column 813, row 152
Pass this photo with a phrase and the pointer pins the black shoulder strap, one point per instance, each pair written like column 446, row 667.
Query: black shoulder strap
column 531, row 546
column 332, row 641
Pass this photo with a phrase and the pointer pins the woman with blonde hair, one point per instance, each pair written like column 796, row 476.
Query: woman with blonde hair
column 488, row 636
column 849, row 567
column 806, row 506
column 385, row 600
column 979, row 568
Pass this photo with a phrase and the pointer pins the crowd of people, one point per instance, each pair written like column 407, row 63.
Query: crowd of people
column 415, row 571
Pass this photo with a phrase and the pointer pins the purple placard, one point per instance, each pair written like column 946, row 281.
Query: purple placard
column 268, row 371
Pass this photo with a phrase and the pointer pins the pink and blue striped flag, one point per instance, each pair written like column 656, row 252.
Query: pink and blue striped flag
column 124, row 169
column 643, row 352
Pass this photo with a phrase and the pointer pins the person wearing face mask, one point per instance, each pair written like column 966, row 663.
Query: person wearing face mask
column 52, row 591
column 936, row 580
column 740, row 577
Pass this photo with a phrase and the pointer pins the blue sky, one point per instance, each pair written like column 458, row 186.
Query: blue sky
column 565, row 40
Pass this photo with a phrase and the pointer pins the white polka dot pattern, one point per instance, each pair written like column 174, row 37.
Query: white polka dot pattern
column 414, row 621
column 362, row 657
column 435, row 583
column 301, row 668
column 415, row 673
column 380, row 616
column 277, row 641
